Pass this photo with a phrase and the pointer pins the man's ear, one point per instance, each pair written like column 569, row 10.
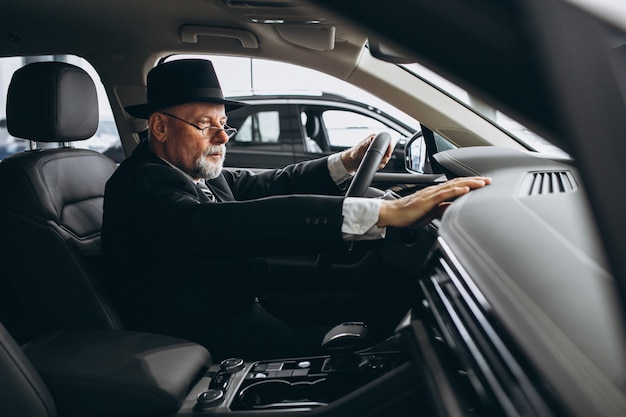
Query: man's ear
column 157, row 126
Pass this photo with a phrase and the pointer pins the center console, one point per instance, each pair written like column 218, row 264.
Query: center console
column 148, row 374
column 334, row 383
column 295, row 384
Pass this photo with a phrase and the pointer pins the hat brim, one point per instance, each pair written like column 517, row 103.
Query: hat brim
column 143, row 111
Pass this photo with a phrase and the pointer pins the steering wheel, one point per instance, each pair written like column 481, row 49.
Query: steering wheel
column 369, row 165
column 360, row 183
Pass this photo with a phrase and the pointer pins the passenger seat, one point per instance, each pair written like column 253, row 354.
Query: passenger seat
column 22, row 392
column 98, row 373
column 71, row 356
column 52, row 204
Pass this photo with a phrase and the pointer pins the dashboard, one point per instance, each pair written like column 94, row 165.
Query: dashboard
column 518, row 290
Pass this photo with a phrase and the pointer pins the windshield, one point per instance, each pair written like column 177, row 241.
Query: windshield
column 254, row 76
column 515, row 129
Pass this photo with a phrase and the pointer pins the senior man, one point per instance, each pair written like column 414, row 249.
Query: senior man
column 188, row 237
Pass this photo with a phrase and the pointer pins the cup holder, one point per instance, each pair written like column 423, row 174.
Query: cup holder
column 279, row 393
column 304, row 384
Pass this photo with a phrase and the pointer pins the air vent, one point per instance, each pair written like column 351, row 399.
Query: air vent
column 548, row 182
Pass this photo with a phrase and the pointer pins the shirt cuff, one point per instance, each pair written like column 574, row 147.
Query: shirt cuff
column 337, row 171
column 359, row 219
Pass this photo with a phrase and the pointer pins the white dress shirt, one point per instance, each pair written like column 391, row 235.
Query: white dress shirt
column 359, row 214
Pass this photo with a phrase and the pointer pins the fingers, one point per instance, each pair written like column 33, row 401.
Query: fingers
column 455, row 188
column 353, row 156
column 386, row 157
column 364, row 143
column 428, row 203
column 384, row 162
column 471, row 181
column 389, row 152
column 461, row 182
column 442, row 194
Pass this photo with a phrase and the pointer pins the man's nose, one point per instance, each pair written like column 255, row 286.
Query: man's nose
column 220, row 138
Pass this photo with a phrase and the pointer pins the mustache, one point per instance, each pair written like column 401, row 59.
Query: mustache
column 215, row 149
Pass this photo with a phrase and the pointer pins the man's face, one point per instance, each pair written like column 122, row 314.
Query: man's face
column 186, row 146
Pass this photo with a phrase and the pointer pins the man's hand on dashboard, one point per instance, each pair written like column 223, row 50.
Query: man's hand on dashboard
column 426, row 204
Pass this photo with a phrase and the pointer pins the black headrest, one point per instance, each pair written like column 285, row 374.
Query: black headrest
column 52, row 102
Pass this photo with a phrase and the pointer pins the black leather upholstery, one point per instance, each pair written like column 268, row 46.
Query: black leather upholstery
column 117, row 373
column 52, row 102
column 97, row 373
column 51, row 208
column 52, row 203
column 22, row 392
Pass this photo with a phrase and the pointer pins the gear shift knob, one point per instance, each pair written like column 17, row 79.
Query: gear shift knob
column 346, row 337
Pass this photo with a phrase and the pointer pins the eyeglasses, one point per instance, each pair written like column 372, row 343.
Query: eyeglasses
column 208, row 131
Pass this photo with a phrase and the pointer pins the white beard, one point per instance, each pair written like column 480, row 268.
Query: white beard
column 209, row 170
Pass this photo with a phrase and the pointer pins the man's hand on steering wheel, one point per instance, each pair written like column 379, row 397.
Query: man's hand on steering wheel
column 413, row 209
column 352, row 157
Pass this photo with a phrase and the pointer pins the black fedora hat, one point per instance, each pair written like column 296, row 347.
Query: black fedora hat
column 179, row 82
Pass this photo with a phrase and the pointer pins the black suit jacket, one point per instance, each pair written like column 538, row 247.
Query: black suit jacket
column 169, row 243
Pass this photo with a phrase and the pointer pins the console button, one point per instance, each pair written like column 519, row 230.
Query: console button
column 220, row 381
column 260, row 367
column 209, row 398
column 274, row 366
column 231, row 365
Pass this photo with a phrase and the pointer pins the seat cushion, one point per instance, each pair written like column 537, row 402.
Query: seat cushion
column 22, row 392
column 109, row 372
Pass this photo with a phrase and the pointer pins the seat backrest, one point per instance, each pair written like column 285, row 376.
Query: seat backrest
column 52, row 203
column 312, row 126
column 315, row 135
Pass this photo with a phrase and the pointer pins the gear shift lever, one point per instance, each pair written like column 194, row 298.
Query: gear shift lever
column 346, row 337
column 342, row 342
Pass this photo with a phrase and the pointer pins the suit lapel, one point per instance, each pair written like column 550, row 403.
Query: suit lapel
column 219, row 186
column 221, row 189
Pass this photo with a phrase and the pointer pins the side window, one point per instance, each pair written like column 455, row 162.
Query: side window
column 442, row 144
column 106, row 138
column 259, row 128
column 346, row 128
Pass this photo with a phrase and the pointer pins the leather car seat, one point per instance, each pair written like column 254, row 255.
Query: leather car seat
column 73, row 358
column 313, row 130
column 52, row 204
column 98, row 373
column 22, row 391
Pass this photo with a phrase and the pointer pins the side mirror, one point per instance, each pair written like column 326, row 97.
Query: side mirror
column 415, row 154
